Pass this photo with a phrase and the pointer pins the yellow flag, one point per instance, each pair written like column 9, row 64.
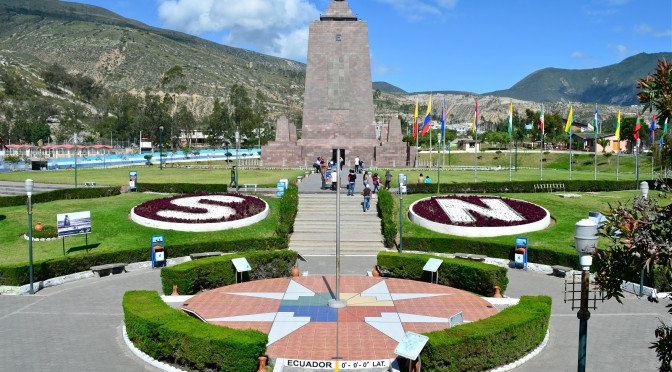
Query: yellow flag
column 618, row 126
column 570, row 120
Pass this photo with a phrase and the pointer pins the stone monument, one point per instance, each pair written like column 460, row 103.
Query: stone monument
column 338, row 107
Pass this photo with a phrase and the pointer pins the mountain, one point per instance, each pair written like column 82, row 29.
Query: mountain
column 614, row 85
column 387, row 88
column 127, row 55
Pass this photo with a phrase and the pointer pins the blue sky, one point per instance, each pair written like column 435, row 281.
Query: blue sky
column 433, row 45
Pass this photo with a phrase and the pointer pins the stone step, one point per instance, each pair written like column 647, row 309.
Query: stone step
column 331, row 237
column 316, row 247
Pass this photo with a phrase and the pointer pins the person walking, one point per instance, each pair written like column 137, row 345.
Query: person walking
column 351, row 182
column 365, row 179
column 234, row 181
column 334, row 180
column 356, row 164
column 376, row 183
column 388, row 179
column 367, row 198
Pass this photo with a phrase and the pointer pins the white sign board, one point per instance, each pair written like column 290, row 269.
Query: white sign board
column 411, row 345
column 330, row 365
column 73, row 223
column 432, row 265
column 241, row 264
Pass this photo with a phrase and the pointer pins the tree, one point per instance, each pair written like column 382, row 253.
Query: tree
column 604, row 142
column 640, row 238
column 656, row 90
column 219, row 123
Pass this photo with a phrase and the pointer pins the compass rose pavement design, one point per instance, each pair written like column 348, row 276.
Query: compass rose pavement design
column 300, row 324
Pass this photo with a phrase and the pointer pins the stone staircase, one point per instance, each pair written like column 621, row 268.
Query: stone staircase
column 315, row 226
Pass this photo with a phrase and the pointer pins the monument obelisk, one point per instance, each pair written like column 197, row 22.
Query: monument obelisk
column 338, row 107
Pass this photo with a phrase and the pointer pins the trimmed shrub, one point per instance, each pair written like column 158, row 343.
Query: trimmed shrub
column 171, row 336
column 17, row 274
column 289, row 206
column 214, row 272
column 181, row 188
column 500, row 339
column 471, row 276
column 456, row 244
column 386, row 214
column 521, row 187
column 61, row 194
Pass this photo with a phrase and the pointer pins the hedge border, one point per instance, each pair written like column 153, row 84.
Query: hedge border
column 17, row 274
column 214, row 272
column 61, row 194
column 169, row 335
column 181, row 188
column 385, row 212
column 470, row 276
column 526, row 186
column 495, row 341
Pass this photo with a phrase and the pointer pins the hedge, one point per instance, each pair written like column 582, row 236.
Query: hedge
column 525, row 186
column 61, row 194
column 456, row 244
column 181, row 188
column 171, row 336
column 498, row 340
column 214, row 272
column 386, row 214
column 17, row 274
column 470, row 276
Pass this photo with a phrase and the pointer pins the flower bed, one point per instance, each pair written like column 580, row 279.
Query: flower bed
column 201, row 212
column 478, row 216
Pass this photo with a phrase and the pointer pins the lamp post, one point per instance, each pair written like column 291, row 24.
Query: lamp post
column 161, row 147
column 402, row 181
column 237, row 156
column 585, row 241
column 29, row 191
column 76, row 148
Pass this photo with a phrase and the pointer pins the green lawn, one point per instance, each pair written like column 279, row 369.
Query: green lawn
column 565, row 212
column 119, row 176
column 111, row 228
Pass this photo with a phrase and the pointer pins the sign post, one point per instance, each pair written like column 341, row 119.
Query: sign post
column 158, row 251
column 520, row 254
column 133, row 181
column 402, row 181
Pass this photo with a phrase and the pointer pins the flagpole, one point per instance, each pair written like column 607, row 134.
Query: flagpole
column 570, row 156
column 637, row 142
column 595, row 145
column 476, row 156
column 618, row 158
column 541, row 158
column 510, row 159
column 430, row 145
column 438, row 167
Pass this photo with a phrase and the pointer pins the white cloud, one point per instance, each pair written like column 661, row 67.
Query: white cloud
column 647, row 29
column 277, row 27
column 577, row 54
column 418, row 9
column 621, row 50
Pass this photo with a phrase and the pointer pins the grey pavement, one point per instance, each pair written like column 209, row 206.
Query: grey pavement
column 77, row 326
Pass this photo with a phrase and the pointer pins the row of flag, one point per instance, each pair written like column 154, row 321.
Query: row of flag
column 568, row 125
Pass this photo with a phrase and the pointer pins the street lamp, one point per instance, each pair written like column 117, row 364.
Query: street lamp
column 402, row 182
column 644, row 188
column 161, row 147
column 585, row 241
column 237, row 156
column 29, row 191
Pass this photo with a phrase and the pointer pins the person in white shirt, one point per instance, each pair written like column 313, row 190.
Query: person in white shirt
column 356, row 164
column 334, row 180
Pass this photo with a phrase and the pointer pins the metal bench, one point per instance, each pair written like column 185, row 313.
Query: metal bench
column 248, row 185
column 196, row 256
column 105, row 270
column 90, row 184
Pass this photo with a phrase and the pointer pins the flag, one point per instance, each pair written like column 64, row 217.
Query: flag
column 618, row 127
column 510, row 118
column 443, row 119
column 428, row 117
column 662, row 136
column 541, row 120
column 474, row 127
column 415, row 121
column 652, row 134
column 570, row 120
column 638, row 126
